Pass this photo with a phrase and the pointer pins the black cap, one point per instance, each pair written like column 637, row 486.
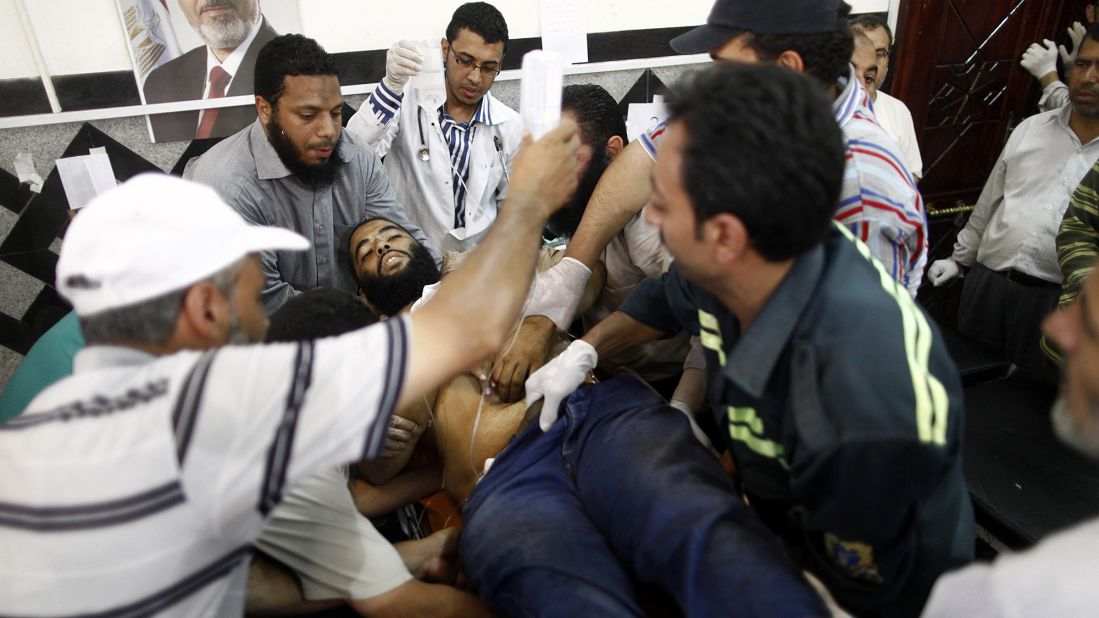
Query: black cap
column 729, row 18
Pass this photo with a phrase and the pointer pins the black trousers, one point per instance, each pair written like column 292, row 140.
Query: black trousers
column 1007, row 316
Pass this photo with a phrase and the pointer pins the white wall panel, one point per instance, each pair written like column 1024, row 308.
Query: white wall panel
column 16, row 57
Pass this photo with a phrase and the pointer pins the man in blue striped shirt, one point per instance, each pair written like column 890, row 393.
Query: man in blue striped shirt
column 447, row 160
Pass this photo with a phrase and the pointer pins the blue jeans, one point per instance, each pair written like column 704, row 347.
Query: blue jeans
column 619, row 494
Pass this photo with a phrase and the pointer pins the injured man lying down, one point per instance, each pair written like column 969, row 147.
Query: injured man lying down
column 617, row 496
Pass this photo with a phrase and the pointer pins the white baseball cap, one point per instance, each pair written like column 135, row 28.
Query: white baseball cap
column 152, row 235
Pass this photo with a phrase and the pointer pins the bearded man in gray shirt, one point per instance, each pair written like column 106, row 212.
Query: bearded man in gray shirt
column 294, row 168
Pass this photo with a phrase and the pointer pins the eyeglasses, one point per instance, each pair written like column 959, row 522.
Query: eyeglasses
column 469, row 65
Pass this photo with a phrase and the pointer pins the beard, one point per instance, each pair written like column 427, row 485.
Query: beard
column 311, row 176
column 1086, row 108
column 226, row 31
column 388, row 294
column 565, row 221
column 1084, row 438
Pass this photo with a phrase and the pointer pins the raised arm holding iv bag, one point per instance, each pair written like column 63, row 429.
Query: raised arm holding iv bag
column 540, row 91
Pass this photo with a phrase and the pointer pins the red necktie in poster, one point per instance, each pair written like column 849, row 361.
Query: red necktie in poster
column 219, row 79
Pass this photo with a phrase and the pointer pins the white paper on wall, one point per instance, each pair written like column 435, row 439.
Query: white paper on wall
column 85, row 177
column 564, row 29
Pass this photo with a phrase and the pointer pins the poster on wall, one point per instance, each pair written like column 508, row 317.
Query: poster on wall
column 195, row 50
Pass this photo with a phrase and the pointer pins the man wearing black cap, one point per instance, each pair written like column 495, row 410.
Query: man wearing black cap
column 879, row 202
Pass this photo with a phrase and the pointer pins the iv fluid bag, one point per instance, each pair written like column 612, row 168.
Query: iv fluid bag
column 429, row 86
column 540, row 91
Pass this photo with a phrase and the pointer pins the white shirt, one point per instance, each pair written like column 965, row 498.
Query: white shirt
column 894, row 117
column 425, row 187
column 1057, row 577
column 633, row 255
column 141, row 482
column 1015, row 223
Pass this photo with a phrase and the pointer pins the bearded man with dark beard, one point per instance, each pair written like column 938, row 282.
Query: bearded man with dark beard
column 232, row 32
column 295, row 168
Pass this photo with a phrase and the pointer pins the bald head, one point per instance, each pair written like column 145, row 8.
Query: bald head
column 866, row 63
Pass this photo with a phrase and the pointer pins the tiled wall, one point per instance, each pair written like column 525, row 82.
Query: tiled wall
column 32, row 225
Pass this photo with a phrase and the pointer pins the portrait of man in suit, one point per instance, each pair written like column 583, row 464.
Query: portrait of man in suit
column 232, row 32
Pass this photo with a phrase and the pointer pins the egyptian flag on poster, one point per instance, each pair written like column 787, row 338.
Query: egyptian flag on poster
column 149, row 32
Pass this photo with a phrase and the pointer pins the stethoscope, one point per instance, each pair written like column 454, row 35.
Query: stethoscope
column 424, row 153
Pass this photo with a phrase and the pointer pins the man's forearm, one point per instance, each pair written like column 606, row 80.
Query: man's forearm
column 496, row 276
column 621, row 193
column 477, row 304
column 1048, row 79
column 619, row 332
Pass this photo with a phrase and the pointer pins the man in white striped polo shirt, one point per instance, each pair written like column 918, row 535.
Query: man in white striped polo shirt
column 137, row 485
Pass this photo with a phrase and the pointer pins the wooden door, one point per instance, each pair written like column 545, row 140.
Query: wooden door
column 957, row 67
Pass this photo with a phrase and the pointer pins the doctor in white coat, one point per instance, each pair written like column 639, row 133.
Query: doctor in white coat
column 448, row 161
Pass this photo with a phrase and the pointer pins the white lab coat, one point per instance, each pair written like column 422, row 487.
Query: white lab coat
column 425, row 187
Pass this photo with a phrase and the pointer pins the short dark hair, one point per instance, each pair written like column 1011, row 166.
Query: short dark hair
column 762, row 144
column 827, row 55
column 596, row 111
column 1093, row 29
column 870, row 21
column 482, row 19
column 289, row 54
column 320, row 312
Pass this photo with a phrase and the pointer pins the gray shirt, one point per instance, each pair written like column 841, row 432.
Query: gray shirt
column 247, row 172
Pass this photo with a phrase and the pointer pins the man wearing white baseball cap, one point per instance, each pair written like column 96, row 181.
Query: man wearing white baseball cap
column 144, row 478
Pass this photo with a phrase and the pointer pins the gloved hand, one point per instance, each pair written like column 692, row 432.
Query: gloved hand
column 943, row 271
column 402, row 61
column 426, row 295
column 1040, row 60
column 1076, row 33
column 558, row 378
column 557, row 291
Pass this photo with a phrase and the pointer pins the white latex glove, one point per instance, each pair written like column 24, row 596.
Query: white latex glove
column 943, row 271
column 1040, row 59
column 425, row 295
column 1076, row 34
column 402, row 61
column 558, row 378
column 557, row 291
